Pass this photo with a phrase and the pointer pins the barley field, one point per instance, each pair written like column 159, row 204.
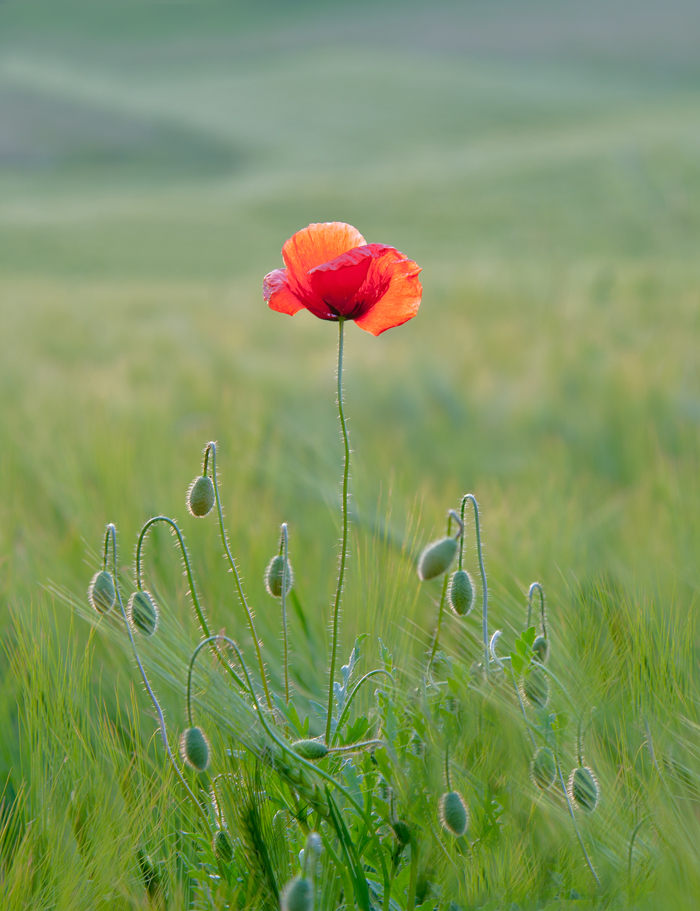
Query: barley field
column 541, row 161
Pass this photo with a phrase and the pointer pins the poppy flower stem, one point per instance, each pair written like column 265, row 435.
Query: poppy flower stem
column 344, row 544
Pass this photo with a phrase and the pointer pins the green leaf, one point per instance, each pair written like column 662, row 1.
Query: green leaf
column 516, row 663
column 560, row 721
column 529, row 636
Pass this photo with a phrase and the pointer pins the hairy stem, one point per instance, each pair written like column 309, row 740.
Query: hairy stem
column 112, row 533
column 573, row 816
column 344, row 542
column 234, row 569
column 484, row 586
column 285, row 554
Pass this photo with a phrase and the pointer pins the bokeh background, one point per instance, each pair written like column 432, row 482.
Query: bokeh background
column 539, row 158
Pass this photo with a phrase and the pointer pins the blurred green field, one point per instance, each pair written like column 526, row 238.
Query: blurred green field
column 540, row 161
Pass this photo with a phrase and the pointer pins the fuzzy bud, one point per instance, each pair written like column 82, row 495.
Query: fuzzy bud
column 436, row 558
column 535, row 688
column 201, row 496
column 543, row 769
column 298, row 895
column 221, row 844
column 461, row 593
column 310, row 749
column 273, row 577
column 142, row 613
column 194, row 749
column 541, row 649
column 583, row 788
column 454, row 816
column 101, row 593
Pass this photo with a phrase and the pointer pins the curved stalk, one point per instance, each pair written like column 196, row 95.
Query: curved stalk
column 190, row 579
column 573, row 815
column 112, row 532
column 484, row 586
column 284, row 550
column 344, row 542
column 536, row 586
column 234, row 569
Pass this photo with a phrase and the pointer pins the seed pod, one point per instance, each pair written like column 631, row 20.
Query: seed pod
column 401, row 831
column 194, row 749
column 454, row 815
column 541, row 649
column 310, row 749
column 543, row 768
column 436, row 558
column 383, row 789
column 583, row 788
column 221, row 844
column 535, row 688
column 298, row 895
column 273, row 577
column 201, row 496
column 101, row 593
column 461, row 593
column 142, row 613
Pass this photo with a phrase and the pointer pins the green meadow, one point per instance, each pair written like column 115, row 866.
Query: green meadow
column 541, row 162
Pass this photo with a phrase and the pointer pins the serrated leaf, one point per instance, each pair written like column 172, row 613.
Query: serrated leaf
column 529, row 635
column 516, row 663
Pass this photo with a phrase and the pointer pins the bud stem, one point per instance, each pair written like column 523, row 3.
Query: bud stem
column 344, row 543
column 112, row 533
column 234, row 569
column 536, row 586
column 484, row 586
column 573, row 815
column 445, row 582
column 190, row 579
column 285, row 553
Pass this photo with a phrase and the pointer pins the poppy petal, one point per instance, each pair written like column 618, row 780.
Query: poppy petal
column 393, row 286
column 316, row 245
column 338, row 281
column 278, row 294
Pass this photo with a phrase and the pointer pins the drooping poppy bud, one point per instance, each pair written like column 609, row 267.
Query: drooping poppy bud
column 310, row 749
column 194, row 749
column 543, row 769
column 535, row 688
column 142, row 613
column 541, row 649
column 454, row 816
column 201, row 496
column 273, row 576
column 461, row 593
column 101, row 593
column 583, row 788
column 436, row 558
column 298, row 895
column 222, row 847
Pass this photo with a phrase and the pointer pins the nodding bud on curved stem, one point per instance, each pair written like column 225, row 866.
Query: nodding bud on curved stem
column 437, row 558
column 454, row 815
column 222, row 847
column 484, row 585
column 461, row 593
column 142, row 613
column 541, row 644
column 101, row 593
column 543, row 768
column 200, row 494
column 194, row 749
column 297, row 895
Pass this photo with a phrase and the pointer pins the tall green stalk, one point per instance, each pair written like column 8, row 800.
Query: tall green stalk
column 344, row 543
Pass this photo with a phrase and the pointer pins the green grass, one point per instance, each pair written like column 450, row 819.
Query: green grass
column 542, row 167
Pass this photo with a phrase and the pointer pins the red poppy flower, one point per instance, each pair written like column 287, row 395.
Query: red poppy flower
column 333, row 273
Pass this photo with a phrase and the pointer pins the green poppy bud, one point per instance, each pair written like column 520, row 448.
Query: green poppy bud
column 201, row 496
column 461, row 593
column 401, row 831
column 101, row 593
column 221, row 844
column 383, row 789
column 535, row 688
column 454, row 816
column 273, row 577
column 543, row 769
column 436, row 558
column 298, row 895
column 583, row 788
column 310, row 749
column 194, row 749
column 541, row 649
column 142, row 613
